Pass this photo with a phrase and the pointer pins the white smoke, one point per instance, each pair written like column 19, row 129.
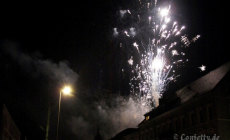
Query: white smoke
column 106, row 111
column 59, row 72
column 110, row 118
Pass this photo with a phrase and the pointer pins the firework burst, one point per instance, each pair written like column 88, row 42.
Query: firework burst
column 156, row 46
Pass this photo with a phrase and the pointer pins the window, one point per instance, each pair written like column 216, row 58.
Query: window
column 147, row 118
column 210, row 112
column 202, row 114
column 178, row 124
column 193, row 118
column 174, row 124
column 184, row 122
column 171, row 126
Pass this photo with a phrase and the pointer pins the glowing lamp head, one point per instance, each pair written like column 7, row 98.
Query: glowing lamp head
column 67, row 90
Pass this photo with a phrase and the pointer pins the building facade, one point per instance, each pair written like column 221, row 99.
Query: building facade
column 200, row 109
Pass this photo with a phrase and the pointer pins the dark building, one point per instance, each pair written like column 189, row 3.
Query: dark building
column 201, row 108
column 8, row 129
column 127, row 134
column 98, row 135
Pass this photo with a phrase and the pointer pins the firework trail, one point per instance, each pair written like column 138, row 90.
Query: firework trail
column 156, row 45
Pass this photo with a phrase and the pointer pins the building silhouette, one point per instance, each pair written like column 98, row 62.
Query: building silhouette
column 8, row 129
column 98, row 135
column 201, row 108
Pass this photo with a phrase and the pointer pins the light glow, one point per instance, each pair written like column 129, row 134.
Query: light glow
column 67, row 90
column 164, row 12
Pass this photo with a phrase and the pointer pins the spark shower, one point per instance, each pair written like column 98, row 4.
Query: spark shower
column 156, row 44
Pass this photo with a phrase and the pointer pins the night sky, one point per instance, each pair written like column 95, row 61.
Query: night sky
column 37, row 40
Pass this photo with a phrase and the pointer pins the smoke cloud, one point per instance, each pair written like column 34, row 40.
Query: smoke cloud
column 59, row 72
column 109, row 115
column 91, row 111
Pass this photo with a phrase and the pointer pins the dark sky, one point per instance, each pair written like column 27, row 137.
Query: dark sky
column 82, row 38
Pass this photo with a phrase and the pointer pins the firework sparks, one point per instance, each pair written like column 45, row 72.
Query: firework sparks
column 157, row 42
column 164, row 12
column 115, row 32
column 132, row 31
column 136, row 46
column 174, row 52
column 130, row 61
column 123, row 12
column 202, row 68
column 126, row 33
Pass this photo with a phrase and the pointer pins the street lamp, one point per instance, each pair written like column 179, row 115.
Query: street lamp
column 66, row 90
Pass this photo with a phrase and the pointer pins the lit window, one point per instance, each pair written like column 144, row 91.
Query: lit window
column 147, row 118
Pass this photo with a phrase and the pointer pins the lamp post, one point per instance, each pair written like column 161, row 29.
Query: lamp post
column 66, row 90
